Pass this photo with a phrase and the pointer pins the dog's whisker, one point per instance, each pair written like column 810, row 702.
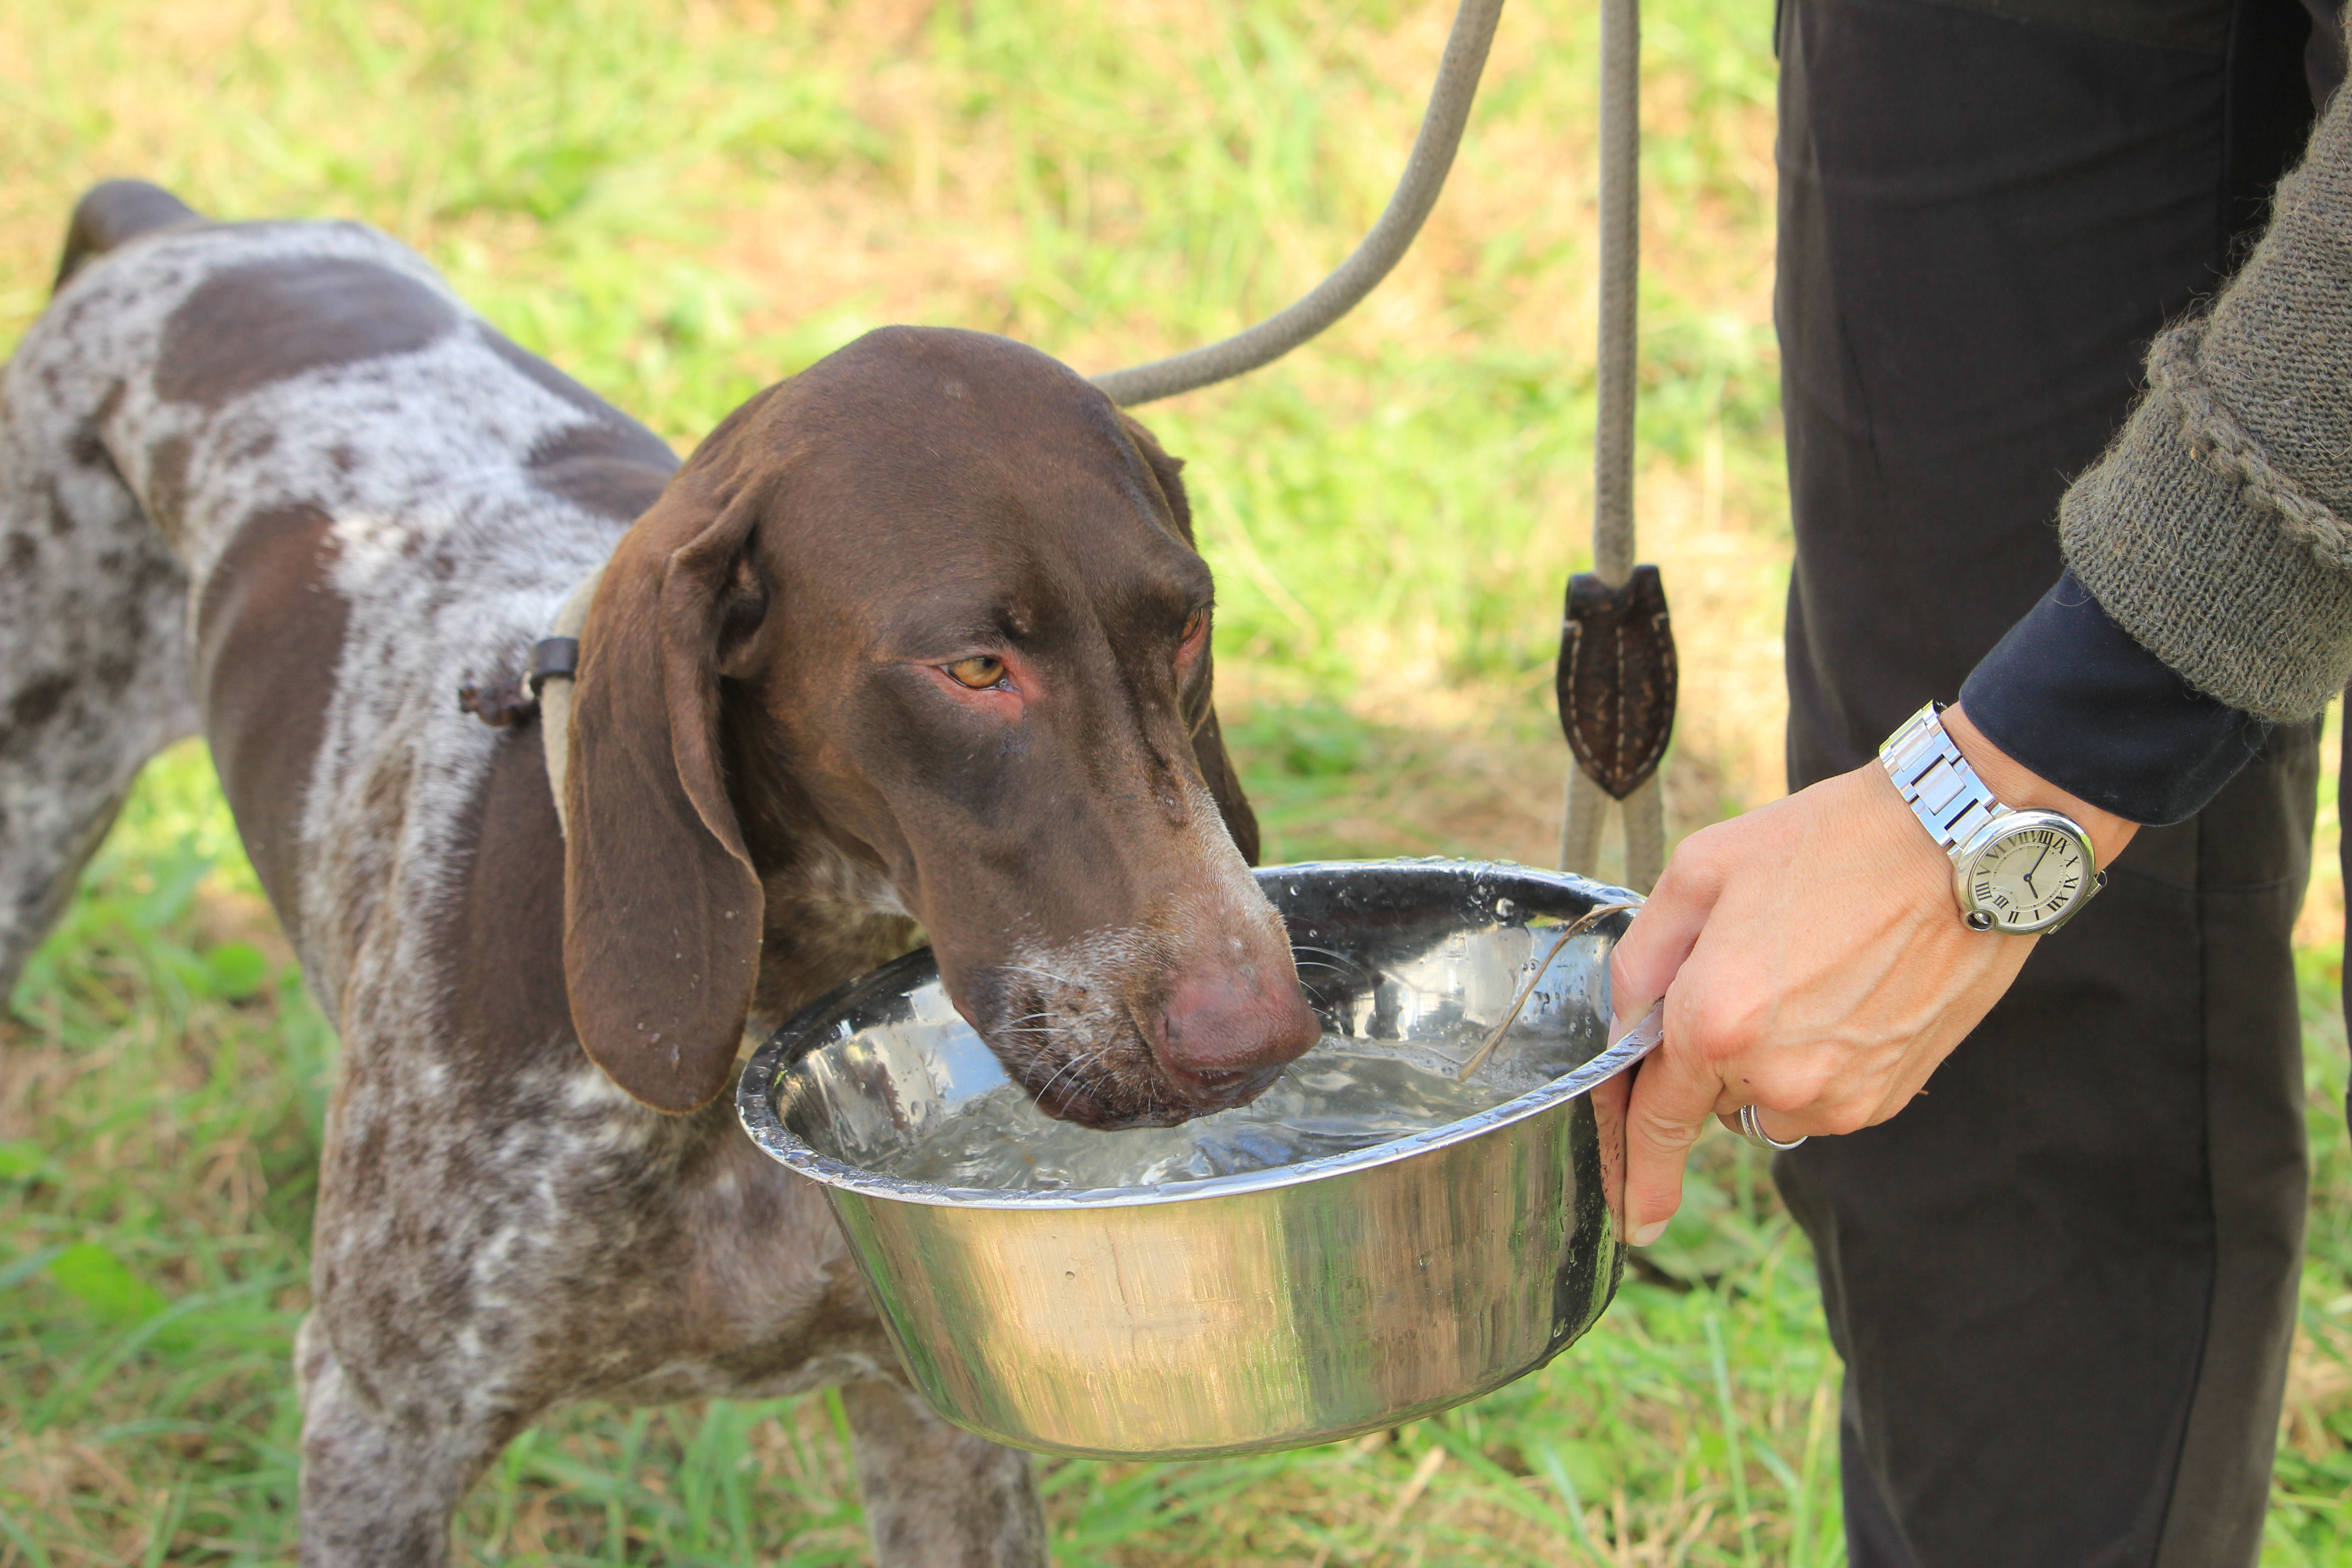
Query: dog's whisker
column 1074, row 1063
column 1341, row 961
column 1056, row 977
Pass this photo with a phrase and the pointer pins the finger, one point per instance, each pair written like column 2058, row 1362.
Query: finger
column 1673, row 1100
column 1648, row 956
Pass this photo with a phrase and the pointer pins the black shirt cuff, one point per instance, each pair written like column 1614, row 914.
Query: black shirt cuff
column 2072, row 696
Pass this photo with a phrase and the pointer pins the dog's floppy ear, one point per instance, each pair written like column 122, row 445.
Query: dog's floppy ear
column 661, row 905
column 1208, row 740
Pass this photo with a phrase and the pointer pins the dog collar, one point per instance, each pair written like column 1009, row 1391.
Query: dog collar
column 545, row 687
column 554, row 661
column 552, row 658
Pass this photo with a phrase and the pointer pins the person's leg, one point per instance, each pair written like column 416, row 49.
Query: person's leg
column 2062, row 1280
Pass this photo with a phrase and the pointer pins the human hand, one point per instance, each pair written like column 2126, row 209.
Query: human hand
column 1813, row 965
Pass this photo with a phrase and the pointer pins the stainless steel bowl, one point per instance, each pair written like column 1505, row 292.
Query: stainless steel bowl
column 1280, row 1307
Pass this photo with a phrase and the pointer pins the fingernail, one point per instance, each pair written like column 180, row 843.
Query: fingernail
column 1650, row 1233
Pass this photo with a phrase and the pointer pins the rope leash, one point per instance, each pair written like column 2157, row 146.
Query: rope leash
column 1416, row 193
column 1617, row 678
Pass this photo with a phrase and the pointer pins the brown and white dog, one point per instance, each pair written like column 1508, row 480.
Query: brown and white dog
column 916, row 639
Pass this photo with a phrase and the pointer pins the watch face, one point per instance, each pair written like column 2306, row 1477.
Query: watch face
column 2029, row 877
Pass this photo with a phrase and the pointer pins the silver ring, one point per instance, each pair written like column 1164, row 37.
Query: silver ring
column 1753, row 1131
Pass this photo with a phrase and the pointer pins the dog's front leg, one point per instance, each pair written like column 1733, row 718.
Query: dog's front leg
column 379, row 1491
column 935, row 1496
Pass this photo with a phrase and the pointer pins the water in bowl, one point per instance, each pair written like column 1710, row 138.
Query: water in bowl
column 1344, row 1094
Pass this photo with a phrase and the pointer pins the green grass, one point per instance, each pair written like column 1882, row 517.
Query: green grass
column 680, row 202
column 166, row 1089
column 166, row 1078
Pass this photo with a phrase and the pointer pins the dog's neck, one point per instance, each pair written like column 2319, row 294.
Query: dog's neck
column 830, row 913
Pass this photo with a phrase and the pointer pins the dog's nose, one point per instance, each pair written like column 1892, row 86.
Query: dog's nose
column 1229, row 1031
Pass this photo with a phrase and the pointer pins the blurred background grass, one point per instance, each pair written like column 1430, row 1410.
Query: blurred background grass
column 680, row 202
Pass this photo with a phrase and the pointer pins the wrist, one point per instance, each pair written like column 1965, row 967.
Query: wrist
column 2014, row 785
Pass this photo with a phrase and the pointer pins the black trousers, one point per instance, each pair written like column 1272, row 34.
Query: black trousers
column 2064, row 1282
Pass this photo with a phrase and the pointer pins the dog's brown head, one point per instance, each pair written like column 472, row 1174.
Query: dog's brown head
column 925, row 620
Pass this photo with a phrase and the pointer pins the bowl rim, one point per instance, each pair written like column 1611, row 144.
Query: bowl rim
column 755, row 1107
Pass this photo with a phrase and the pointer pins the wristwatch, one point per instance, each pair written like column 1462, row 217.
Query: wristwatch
column 2012, row 871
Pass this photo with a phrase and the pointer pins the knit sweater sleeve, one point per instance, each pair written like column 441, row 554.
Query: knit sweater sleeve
column 2215, row 529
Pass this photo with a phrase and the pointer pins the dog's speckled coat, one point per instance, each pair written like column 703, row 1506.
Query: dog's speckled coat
column 275, row 484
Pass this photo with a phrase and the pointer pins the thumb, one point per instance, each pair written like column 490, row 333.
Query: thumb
column 1660, row 936
column 1673, row 1099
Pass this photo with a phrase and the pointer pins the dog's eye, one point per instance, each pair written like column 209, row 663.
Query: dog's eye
column 1194, row 625
column 979, row 674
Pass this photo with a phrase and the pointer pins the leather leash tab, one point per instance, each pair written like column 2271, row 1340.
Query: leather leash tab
column 1617, row 678
column 510, row 702
column 500, row 706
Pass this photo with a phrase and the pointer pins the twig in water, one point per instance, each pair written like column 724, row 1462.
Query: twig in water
column 1576, row 928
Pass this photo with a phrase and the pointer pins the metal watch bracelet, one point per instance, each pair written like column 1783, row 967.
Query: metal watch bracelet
column 1943, row 792
column 1972, row 828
